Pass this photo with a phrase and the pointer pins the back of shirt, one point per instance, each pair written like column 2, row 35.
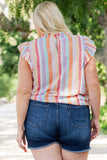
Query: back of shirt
column 57, row 62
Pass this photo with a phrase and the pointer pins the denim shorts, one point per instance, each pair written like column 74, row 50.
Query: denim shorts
column 66, row 124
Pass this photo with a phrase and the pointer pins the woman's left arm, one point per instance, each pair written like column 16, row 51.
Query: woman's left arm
column 22, row 97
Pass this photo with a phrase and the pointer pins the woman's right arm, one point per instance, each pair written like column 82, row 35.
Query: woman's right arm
column 94, row 93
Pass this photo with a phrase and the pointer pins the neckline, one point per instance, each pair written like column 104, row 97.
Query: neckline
column 54, row 34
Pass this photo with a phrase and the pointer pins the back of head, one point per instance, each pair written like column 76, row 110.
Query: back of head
column 49, row 19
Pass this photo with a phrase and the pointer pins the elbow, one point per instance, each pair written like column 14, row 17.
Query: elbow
column 23, row 92
column 94, row 87
column 94, row 90
column 93, row 84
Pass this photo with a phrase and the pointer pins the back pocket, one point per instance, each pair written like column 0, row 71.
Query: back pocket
column 79, row 115
column 37, row 114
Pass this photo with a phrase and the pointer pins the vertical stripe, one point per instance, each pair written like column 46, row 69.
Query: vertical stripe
column 80, row 56
column 58, row 67
column 82, row 88
column 33, row 74
column 73, row 65
column 62, row 79
column 69, row 65
column 49, row 68
column 46, row 70
column 38, row 67
column 66, row 66
column 34, row 61
column 53, row 84
column 77, row 69
column 41, row 68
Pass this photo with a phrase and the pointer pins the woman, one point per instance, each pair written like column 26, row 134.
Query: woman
column 58, row 82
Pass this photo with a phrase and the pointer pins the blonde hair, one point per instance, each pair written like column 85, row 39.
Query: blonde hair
column 48, row 18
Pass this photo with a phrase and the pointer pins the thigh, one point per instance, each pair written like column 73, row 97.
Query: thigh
column 51, row 152
column 67, row 155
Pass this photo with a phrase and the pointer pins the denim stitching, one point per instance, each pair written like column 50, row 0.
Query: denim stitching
column 73, row 124
column 76, row 106
column 37, row 104
column 43, row 120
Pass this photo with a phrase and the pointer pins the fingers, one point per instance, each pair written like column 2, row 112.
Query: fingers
column 24, row 140
column 21, row 139
column 94, row 133
column 95, row 128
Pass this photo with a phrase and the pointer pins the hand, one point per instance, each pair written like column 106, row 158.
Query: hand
column 95, row 128
column 21, row 138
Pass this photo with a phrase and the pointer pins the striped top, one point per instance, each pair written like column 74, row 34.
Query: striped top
column 57, row 64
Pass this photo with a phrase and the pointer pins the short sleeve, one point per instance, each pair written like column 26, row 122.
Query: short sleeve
column 90, row 49
column 24, row 50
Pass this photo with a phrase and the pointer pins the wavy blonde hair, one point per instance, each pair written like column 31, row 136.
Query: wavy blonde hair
column 48, row 18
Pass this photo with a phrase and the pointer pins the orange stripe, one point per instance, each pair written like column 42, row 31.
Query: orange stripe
column 77, row 66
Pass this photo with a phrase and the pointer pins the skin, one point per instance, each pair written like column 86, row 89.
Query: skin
column 39, row 31
column 54, row 151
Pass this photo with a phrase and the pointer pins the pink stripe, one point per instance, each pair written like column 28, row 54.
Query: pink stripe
column 59, row 62
column 80, row 54
column 43, row 62
column 38, row 68
column 91, row 46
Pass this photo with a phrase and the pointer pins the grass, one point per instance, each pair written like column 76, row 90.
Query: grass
column 103, row 119
column 8, row 86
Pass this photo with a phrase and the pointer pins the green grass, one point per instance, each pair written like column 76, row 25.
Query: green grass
column 8, row 86
column 103, row 119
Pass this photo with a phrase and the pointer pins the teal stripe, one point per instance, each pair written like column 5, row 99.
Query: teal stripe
column 90, row 51
column 46, row 67
column 67, row 62
column 23, row 51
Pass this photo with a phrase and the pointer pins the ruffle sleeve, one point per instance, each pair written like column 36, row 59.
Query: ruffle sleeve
column 90, row 49
column 24, row 50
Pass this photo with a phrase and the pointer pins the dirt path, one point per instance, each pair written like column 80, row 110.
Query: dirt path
column 9, row 149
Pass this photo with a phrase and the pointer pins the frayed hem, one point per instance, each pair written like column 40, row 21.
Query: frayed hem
column 43, row 145
column 77, row 151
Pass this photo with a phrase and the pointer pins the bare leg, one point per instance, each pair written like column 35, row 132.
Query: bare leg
column 67, row 155
column 50, row 152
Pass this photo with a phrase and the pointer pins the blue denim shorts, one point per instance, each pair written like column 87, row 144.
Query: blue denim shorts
column 66, row 124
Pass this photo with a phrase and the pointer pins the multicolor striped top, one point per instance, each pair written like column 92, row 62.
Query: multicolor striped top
column 57, row 64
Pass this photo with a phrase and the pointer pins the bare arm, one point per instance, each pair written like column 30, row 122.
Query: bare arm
column 93, row 87
column 23, row 91
column 23, row 94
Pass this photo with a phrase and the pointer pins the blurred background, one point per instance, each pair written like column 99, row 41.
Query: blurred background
column 83, row 17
